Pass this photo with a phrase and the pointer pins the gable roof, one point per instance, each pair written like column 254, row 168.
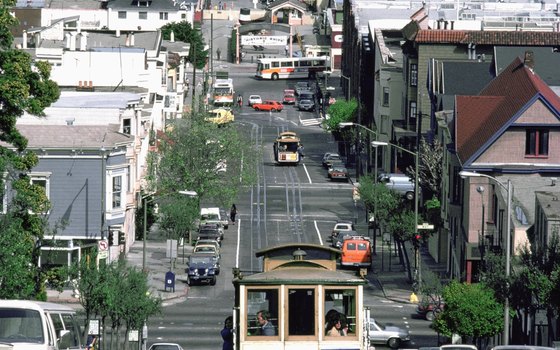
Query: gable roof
column 287, row 3
column 482, row 119
column 480, row 37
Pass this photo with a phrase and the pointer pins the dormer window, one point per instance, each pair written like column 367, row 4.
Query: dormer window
column 141, row 3
column 536, row 142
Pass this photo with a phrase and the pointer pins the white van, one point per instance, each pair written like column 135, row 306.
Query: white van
column 213, row 215
column 35, row 325
column 398, row 182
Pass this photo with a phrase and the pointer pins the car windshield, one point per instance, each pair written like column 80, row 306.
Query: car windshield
column 164, row 347
column 339, row 169
column 199, row 260
column 21, row 326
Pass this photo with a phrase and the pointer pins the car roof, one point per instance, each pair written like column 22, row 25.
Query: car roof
column 259, row 96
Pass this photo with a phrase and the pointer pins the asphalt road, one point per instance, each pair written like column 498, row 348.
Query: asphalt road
column 288, row 204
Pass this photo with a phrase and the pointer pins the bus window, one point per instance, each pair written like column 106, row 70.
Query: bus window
column 287, row 64
column 305, row 63
column 259, row 300
column 301, row 311
column 275, row 64
column 342, row 301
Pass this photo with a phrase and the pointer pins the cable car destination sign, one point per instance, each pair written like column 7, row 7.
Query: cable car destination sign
column 264, row 40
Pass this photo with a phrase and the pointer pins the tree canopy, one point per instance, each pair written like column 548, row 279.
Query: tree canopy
column 25, row 86
column 339, row 112
column 183, row 31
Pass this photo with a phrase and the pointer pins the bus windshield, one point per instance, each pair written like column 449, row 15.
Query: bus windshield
column 20, row 326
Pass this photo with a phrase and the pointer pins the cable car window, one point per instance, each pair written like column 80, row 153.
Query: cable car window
column 340, row 312
column 301, row 311
column 262, row 312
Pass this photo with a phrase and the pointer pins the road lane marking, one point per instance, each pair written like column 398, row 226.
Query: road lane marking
column 307, row 173
column 318, row 232
column 238, row 241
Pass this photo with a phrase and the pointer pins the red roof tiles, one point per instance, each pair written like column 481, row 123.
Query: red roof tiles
column 509, row 38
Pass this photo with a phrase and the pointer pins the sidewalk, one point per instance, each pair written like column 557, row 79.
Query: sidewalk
column 157, row 266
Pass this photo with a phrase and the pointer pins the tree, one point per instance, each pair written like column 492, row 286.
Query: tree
column 24, row 87
column 429, row 168
column 340, row 111
column 471, row 311
column 188, row 159
column 183, row 31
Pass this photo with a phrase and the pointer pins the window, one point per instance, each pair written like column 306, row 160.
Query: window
column 117, row 192
column 536, row 142
column 412, row 110
column 340, row 304
column 262, row 312
column 142, row 15
column 275, row 64
column 456, row 190
column 126, row 126
column 286, row 64
column 122, row 14
column 183, row 15
column 41, row 181
column 164, row 16
column 413, row 74
column 301, row 311
column 386, row 96
column 384, row 124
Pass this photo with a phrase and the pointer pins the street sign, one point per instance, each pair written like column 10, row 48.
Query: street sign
column 103, row 245
column 93, row 327
column 425, row 226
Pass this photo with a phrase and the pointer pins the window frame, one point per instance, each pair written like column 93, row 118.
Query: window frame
column 534, row 145
column 245, row 324
column 117, row 193
column 143, row 15
column 412, row 110
column 122, row 14
column 386, row 96
column 350, row 336
column 164, row 16
column 287, row 335
column 414, row 74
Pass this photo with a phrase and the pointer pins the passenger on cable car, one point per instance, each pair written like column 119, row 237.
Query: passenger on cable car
column 267, row 328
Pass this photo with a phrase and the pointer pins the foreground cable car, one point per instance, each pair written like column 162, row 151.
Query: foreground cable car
column 286, row 306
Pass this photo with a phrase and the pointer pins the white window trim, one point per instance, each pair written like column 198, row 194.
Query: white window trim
column 122, row 172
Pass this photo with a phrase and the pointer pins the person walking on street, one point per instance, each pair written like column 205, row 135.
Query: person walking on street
column 218, row 53
column 227, row 334
column 300, row 150
column 232, row 213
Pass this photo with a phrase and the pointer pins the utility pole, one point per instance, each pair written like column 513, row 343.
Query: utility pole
column 193, row 102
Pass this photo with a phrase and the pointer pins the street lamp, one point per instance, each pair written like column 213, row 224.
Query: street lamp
column 416, row 165
column 509, row 190
column 145, row 228
column 346, row 124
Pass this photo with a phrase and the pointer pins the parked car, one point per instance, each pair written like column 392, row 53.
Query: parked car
column 268, row 105
column 214, row 215
column 389, row 335
column 398, row 182
column 356, row 252
column 201, row 269
column 306, row 105
column 289, row 97
column 430, row 308
column 210, row 231
column 216, row 258
column 165, row 346
column 253, row 99
column 212, row 242
column 337, row 172
column 458, row 347
column 339, row 239
column 302, row 86
column 329, row 157
column 341, row 226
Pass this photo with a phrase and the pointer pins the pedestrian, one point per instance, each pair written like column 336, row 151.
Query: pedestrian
column 220, row 6
column 300, row 150
column 240, row 101
column 227, row 334
column 218, row 53
column 232, row 213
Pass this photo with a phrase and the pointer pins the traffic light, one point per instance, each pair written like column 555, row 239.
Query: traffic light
column 110, row 238
column 416, row 240
column 121, row 237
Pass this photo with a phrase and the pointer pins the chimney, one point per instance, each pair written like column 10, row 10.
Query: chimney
column 83, row 41
column 172, row 36
column 24, row 39
column 529, row 60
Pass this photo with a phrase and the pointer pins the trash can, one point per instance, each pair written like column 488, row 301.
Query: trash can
column 169, row 281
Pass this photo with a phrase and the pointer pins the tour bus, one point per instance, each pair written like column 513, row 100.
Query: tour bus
column 222, row 92
column 35, row 325
column 290, row 68
column 286, row 148
column 292, row 302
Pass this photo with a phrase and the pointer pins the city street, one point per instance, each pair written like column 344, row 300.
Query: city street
column 288, row 204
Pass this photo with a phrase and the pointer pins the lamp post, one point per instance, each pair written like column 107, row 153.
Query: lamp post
column 347, row 124
column 417, row 274
column 145, row 226
column 509, row 190
column 348, row 91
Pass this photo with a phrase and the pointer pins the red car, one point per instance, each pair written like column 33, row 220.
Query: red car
column 268, row 105
column 289, row 97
